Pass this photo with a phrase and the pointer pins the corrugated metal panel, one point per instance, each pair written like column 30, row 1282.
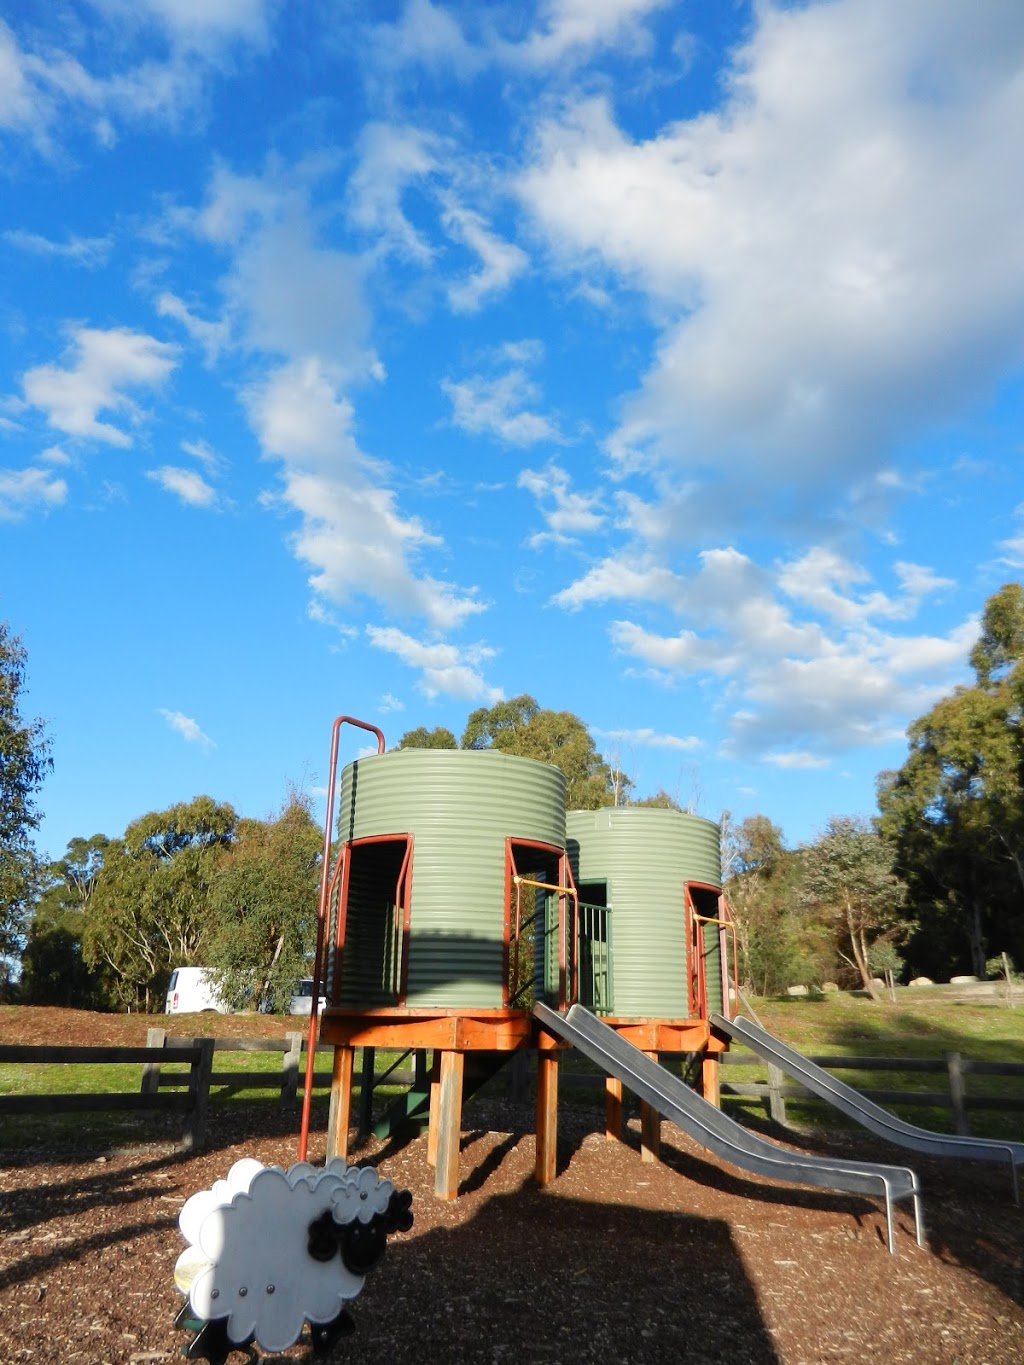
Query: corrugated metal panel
column 645, row 855
column 460, row 806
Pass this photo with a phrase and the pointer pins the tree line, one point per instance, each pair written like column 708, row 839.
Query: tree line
column 933, row 884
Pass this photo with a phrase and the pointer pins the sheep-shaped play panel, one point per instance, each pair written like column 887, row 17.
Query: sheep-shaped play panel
column 271, row 1251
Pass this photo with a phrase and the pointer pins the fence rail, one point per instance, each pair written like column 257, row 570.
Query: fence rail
column 188, row 1091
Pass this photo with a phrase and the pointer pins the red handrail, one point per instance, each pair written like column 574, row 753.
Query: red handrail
column 321, row 920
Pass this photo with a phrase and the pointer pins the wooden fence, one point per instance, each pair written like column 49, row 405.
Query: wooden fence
column 188, row 1091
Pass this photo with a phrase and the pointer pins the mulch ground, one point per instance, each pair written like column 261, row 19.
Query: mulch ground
column 618, row 1261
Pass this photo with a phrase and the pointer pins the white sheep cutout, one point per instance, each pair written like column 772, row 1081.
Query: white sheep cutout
column 270, row 1250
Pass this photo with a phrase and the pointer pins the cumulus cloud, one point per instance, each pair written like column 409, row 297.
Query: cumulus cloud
column 90, row 252
column 500, row 261
column 501, row 405
column 191, row 488
column 800, row 672
column 26, row 490
column 566, row 514
column 834, row 278
column 445, row 669
column 186, row 727
column 101, row 367
column 351, row 531
column 391, row 158
column 652, row 739
column 575, row 28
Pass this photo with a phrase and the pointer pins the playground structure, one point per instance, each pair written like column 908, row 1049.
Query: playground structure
column 467, row 918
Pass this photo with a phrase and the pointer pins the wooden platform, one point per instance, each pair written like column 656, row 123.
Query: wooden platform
column 451, row 1033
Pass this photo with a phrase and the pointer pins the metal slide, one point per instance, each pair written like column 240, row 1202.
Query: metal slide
column 862, row 1110
column 720, row 1134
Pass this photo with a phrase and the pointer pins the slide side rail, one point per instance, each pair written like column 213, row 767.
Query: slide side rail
column 864, row 1111
column 675, row 1101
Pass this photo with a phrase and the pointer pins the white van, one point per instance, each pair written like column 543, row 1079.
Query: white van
column 302, row 1001
column 192, row 990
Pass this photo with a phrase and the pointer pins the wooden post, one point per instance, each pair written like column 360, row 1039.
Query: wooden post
column 546, row 1165
column 776, row 1101
column 339, row 1115
column 709, row 1079
column 613, row 1108
column 366, row 1092
column 650, row 1126
column 954, row 1067
column 199, row 1094
column 290, row 1068
column 435, row 1109
column 155, row 1037
column 449, row 1125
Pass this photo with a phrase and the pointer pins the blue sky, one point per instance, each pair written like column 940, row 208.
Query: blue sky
column 661, row 360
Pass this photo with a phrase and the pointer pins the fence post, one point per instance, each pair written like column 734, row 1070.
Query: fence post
column 956, row 1093
column 290, row 1068
column 155, row 1037
column 776, row 1100
column 199, row 1093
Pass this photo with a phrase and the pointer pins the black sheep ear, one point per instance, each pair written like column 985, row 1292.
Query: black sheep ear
column 322, row 1242
column 398, row 1217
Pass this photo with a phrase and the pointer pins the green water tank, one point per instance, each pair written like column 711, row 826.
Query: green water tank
column 637, row 860
column 459, row 807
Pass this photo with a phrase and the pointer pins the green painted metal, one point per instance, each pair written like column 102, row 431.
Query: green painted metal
column 641, row 857
column 459, row 806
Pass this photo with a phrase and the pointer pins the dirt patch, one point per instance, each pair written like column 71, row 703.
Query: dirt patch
column 618, row 1261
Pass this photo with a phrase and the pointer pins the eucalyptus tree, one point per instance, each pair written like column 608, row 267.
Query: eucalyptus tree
column 955, row 809
column 779, row 945
column 264, row 907
column 53, row 967
column 520, row 726
column 25, row 760
column 848, row 878
column 150, row 909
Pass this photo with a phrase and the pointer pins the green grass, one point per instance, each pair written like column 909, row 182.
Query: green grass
column 922, row 1023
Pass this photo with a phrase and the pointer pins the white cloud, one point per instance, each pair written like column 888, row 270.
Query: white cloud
column 386, row 703
column 1012, row 548
column 574, row 28
column 500, row 261
column 25, row 490
column 45, row 90
column 186, row 484
column 833, row 277
column 211, row 337
column 570, row 514
column 445, row 669
column 424, row 35
column 205, row 454
column 350, row 531
column 621, row 578
column 89, row 252
column 652, row 739
column 286, row 294
column 186, row 727
column 101, row 366
column 500, row 406
column 795, row 671
column 390, row 159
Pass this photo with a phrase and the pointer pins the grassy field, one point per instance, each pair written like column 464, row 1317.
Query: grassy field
column 920, row 1023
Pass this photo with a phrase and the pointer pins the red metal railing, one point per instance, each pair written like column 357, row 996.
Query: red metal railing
column 328, row 879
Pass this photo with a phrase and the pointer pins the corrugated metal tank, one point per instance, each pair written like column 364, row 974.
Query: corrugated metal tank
column 460, row 806
column 645, row 855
